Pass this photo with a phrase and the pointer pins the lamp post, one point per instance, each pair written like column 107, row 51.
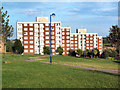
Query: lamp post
column 51, row 15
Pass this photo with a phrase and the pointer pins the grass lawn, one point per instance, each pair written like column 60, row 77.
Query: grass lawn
column 18, row 73
column 86, row 62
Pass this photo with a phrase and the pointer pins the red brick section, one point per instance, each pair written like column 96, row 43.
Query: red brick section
column 99, row 46
column 65, row 40
column 28, row 31
column 73, row 40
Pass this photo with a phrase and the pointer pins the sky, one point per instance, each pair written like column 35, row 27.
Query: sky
column 96, row 17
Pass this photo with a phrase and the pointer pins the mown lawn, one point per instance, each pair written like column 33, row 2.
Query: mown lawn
column 18, row 73
column 85, row 62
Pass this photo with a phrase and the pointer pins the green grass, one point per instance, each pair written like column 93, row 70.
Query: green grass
column 85, row 62
column 18, row 73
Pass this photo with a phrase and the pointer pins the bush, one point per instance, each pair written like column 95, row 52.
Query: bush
column 9, row 46
column 109, row 53
column 72, row 52
column 17, row 47
column 79, row 52
column 46, row 50
column 59, row 50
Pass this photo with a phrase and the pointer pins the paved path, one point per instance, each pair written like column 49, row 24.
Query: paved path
column 103, row 70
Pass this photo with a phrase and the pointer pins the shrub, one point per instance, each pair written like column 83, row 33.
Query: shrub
column 17, row 47
column 46, row 50
column 72, row 52
column 9, row 46
column 109, row 53
column 79, row 52
column 59, row 50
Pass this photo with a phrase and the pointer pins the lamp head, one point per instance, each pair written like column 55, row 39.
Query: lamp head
column 53, row 14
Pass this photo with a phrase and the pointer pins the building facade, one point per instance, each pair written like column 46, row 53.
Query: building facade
column 35, row 35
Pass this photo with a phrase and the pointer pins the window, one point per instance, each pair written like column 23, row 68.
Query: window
column 20, row 34
column 52, row 24
column 36, row 25
column 31, row 46
column 87, row 47
column 67, row 37
column 67, row 33
column 68, row 41
column 31, row 37
column 68, row 44
column 63, row 41
column 75, row 41
column 63, row 33
column 53, row 46
column 52, row 41
column 31, row 33
column 31, row 50
column 87, row 44
column 47, row 33
column 25, row 42
column 63, row 45
column 25, row 29
column 67, row 48
column 31, row 29
column 63, row 29
column 25, row 33
column 71, row 41
column 47, row 37
column 75, row 38
column 30, row 24
column 46, row 24
column 63, row 37
column 31, row 42
column 75, row 44
column 67, row 52
column 25, row 50
column 25, row 37
column 52, row 37
column 87, row 41
column 46, row 28
column 52, row 28
column 71, row 38
column 67, row 30
column 53, row 50
column 52, row 33
column 91, row 44
column 25, row 46
column 25, row 24
column 19, row 29
column 20, row 25
column 47, row 41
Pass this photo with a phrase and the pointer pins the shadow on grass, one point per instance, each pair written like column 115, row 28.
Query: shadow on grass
column 95, row 71
column 117, row 61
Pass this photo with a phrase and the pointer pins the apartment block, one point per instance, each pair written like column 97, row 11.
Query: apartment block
column 35, row 35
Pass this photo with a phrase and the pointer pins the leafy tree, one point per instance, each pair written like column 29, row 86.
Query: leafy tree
column 79, row 52
column 109, row 53
column 86, row 52
column 9, row 46
column 17, row 47
column 95, row 51
column 46, row 50
column 6, row 29
column 114, row 37
column 72, row 52
column 60, row 50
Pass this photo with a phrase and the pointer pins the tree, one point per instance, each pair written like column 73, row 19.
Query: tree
column 6, row 29
column 9, row 46
column 109, row 53
column 72, row 52
column 95, row 52
column 18, row 48
column 86, row 52
column 59, row 50
column 46, row 50
column 79, row 52
column 114, row 37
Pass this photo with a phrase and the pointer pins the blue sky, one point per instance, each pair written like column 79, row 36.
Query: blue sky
column 96, row 17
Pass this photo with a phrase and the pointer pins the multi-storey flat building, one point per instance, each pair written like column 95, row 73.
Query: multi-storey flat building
column 35, row 35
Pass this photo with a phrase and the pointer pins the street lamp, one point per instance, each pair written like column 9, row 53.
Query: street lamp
column 51, row 15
